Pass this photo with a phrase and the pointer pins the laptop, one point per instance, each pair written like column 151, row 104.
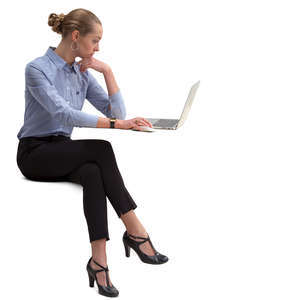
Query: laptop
column 176, row 123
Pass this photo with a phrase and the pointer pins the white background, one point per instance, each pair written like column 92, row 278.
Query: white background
column 219, row 197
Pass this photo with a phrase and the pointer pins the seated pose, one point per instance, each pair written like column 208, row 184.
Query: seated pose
column 55, row 89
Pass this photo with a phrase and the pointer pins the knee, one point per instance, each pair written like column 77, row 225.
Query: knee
column 104, row 147
column 89, row 172
column 101, row 145
column 106, row 144
column 99, row 149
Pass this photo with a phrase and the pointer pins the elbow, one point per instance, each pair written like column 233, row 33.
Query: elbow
column 118, row 114
column 64, row 117
column 123, row 115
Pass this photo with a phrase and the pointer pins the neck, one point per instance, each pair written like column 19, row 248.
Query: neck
column 65, row 53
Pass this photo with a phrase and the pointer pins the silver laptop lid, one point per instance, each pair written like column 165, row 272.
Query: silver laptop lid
column 188, row 103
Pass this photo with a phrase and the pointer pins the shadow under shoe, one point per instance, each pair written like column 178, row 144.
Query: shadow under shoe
column 155, row 259
column 109, row 291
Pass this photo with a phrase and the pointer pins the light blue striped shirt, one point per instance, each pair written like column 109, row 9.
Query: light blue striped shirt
column 55, row 93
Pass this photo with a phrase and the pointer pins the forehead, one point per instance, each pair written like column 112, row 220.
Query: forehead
column 98, row 31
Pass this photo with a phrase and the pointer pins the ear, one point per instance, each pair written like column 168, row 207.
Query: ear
column 75, row 34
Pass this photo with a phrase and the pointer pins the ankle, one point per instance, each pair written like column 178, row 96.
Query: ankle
column 100, row 260
column 138, row 232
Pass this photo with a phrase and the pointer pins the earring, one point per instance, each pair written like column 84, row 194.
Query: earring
column 73, row 48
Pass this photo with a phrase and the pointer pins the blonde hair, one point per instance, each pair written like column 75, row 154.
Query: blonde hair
column 79, row 19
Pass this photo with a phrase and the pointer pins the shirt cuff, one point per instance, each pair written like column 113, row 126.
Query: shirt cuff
column 87, row 120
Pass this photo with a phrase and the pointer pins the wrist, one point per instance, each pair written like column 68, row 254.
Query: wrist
column 103, row 123
column 119, row 124
column 106, row 71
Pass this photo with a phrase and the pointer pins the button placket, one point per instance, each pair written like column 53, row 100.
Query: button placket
column 73, row 90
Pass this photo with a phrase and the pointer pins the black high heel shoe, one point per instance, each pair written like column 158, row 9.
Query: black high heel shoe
column 148, row 259
column 109, row 291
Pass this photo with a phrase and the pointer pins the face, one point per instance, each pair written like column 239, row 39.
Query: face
column 89, row 44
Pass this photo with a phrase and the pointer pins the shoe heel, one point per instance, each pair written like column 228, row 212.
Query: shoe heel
column 127, row 249
column 91, row 280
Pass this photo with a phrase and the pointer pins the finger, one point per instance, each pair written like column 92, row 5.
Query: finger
column 146, row 122
column 136, row 121
column 84, row 67
column 143, row 123
column 149, row 124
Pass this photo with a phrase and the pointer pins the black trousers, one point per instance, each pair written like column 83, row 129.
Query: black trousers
column 90, row 163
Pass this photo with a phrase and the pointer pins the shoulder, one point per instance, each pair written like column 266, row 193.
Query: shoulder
column 41, row 65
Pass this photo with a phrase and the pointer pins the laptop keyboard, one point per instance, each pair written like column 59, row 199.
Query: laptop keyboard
column 166, row 122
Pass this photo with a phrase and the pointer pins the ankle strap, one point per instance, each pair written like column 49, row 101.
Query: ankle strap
column 144, row 240
column 139, row 237
column 105, row 269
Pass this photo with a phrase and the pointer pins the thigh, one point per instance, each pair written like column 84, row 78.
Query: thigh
column 86, row 173
column 56, row 160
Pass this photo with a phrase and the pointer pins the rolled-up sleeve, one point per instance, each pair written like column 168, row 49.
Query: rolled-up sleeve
column 111, row 106
column 46, row 94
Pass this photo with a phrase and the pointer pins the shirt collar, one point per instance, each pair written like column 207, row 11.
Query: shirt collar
column 59, row 61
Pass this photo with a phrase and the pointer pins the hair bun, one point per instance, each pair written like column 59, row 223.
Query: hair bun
column 55, row 21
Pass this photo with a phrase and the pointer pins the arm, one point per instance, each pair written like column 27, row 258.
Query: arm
column 45, row 93
column 48, row 97
column 112, row 104
column 117, row 101
column 110, row 81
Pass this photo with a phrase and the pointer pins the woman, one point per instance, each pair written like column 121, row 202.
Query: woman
column 56, row 87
